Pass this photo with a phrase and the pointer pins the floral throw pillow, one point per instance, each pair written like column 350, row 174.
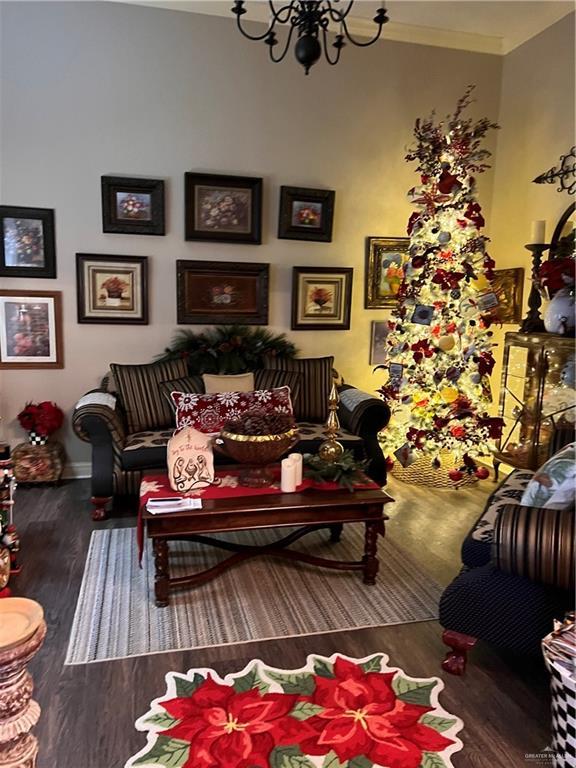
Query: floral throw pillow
column 209, row 413
column 554, row 484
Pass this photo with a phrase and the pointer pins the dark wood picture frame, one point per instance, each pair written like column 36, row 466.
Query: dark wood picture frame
column 222, row 209
column 30, row 242
column 306, row 214
column 508, row 287
column 24, row 331
column 97, row 305
column 332, row 307
column 375, row 296
column 133, row 191
column 222, row 293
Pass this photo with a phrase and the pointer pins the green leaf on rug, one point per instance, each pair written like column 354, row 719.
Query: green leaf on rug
column 289, row 757
column 250, row 680
column 332, row 761
column 374, row 664
column 438, row 723
column 413, row 691
column 432, row 760
column 299, row 683
column 169, row 753
column 324, row 668
column 162, row 719
column 305, row 709
column 185, row 687
column 360, row 762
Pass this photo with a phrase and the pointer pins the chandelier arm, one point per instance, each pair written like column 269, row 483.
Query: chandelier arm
column 337, row 15
column 277, row 14
column 285, row 51
column 326, row 55
column 248, row 35
column 355, row 42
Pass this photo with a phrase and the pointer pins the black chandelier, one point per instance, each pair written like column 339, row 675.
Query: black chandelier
column 311, row 19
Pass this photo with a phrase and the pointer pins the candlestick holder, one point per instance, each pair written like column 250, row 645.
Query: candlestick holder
column 533, row 323
column 330, row 449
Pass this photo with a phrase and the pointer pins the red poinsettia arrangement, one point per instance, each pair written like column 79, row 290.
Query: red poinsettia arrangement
column 42, row 418
column 555, row 274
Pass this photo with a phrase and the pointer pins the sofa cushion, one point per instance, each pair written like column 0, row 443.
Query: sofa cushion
column 270, row 379
column 146, row 450
column 239, row 382
column 192, row 385
column 139, row 391
column 553, row 486
column 315, row 384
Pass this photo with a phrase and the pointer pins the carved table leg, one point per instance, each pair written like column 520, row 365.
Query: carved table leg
column 336, row 531
column 371, row 553
column 161, row 583
column 455, row 661
column 496, row 465
column 99, row 503
column 18, row 712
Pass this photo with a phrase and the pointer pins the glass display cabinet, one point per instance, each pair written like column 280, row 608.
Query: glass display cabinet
column 537, row 398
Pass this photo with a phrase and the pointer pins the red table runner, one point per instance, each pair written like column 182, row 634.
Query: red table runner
column 155, row 486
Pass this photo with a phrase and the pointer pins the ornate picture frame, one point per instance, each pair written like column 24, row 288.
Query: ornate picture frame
column 306, row 214
column 222, row 292
column 27, row 242
column 31, row 329
column 223, row 209
column 132, row 206
column 508, row 287
column 112, row 289
column 385, row 260
column 321, row 298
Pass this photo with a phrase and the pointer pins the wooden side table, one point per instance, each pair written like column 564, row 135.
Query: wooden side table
column 38, row 463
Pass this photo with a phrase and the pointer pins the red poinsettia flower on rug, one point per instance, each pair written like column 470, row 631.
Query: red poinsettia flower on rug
column 363, row 716
column 232, row 730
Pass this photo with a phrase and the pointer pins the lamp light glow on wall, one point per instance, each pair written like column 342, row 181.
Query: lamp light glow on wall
column 310, row 20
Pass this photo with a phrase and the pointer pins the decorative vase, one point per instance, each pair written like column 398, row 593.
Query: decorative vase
column 559, row 314
column 35, row 439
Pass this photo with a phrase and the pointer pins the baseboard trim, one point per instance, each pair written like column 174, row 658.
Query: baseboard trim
column 77, row 470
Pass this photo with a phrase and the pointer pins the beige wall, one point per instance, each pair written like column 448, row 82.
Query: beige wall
column 91, row 89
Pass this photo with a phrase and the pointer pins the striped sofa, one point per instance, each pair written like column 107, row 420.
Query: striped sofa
column 128, row 420
column 517, row 576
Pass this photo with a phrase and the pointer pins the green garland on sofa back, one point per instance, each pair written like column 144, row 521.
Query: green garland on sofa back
column 227, row 348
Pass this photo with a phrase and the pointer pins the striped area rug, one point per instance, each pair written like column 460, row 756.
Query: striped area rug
column 262, row 598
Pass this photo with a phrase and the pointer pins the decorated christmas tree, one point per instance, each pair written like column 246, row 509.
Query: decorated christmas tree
column 440, row 345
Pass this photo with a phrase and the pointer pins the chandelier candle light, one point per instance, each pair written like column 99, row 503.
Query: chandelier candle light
column 311, row 19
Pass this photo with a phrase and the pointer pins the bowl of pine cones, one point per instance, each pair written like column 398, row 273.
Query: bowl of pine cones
column 258, row 440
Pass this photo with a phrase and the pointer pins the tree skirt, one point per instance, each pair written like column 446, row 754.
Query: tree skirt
column 334, row 712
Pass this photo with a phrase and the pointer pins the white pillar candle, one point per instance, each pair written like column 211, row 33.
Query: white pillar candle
column 538, row 232
column 288, row 476
column 298, row 461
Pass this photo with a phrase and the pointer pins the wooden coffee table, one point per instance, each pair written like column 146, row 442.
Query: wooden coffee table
column 311, row 510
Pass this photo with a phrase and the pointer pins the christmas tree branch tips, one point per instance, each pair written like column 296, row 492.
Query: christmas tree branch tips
column 440, row 342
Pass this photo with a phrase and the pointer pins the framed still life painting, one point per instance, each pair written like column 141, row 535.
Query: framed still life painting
column 306, row 214
column 222, row 292
column 31, row 329
column 112, row 289
column 27, row 242
column 224, row 209
column 321, row 298
column 132, row 206
column 385, row 261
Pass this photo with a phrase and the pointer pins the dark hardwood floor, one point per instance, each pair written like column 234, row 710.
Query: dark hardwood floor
column 88, row 711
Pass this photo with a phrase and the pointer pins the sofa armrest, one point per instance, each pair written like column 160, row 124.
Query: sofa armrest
column 536, row 543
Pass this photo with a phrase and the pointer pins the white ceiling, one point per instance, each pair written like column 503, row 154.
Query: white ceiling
column 490, row 26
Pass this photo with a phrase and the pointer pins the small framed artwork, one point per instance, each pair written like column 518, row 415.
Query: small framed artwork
column 423, row 314
column 132, row 206
column 27, row 245
column 321, row 298
column 224, row 209
column 112, row 289
column 507, row 285
column 31, row 329
column 306, row 214
column 222, row 292
column 386, row 258
column 378, row 347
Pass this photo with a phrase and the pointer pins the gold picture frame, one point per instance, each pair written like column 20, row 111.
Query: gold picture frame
column 385, row 261
column 508, row 286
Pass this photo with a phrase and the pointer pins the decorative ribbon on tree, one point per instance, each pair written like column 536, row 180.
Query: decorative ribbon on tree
column 439, row 345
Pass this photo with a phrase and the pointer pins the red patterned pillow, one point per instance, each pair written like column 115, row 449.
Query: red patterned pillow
column 209, row 413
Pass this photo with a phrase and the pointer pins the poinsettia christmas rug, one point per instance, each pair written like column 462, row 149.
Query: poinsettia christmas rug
column 334, row 712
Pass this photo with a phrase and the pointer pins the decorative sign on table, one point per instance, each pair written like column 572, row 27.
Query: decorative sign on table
column 190, row 461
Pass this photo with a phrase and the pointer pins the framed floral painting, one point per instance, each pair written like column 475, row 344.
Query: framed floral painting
column 306, row 214
column 222, row 292
column 321, row 298
column 224, row 209
column 132, row 206
column 27, row 242
column 112, row 289
column 386, row 258
column 31, row 329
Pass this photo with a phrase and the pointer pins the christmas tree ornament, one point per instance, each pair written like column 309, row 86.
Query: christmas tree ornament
column 445, row 290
